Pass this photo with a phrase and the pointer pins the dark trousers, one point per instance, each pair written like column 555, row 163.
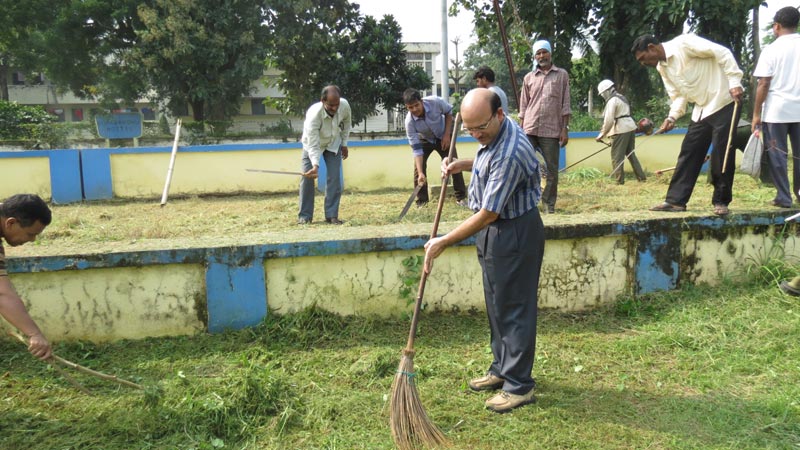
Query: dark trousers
column 711, row 130
column 551, row 151
column 458, row 179
column 622, row 146
column 775, row 145
column 510, row 253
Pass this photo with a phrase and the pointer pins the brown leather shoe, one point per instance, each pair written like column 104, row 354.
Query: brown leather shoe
column 786, row 286
column 506, row 401
column 488, row 382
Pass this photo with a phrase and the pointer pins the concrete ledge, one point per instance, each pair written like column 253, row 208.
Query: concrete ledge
column 178, row 291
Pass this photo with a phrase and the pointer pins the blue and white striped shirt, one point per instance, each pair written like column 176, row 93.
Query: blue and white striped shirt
column 505, row 174
column 430, row 126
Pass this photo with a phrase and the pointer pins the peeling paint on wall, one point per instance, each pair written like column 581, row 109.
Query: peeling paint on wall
column 111, row 304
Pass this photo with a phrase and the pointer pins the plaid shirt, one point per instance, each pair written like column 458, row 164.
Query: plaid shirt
column 544, row 101
column 505, row 174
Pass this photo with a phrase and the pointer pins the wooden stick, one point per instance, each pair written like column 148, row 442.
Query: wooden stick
column 95, row 373
column 66, row 376
column 79, row 368
column 171, row 162
column 730, row 135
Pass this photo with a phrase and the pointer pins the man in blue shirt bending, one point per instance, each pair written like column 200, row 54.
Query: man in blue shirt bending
column 503, row 191
column 429, row 124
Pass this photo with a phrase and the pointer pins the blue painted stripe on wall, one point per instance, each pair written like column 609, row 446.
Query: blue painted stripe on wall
column 65, row 176
column 25, row 153
column 346, row 246
column 236, row 294
column 96, row 172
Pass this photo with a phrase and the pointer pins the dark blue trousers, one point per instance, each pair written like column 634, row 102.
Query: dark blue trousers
column 510, row 253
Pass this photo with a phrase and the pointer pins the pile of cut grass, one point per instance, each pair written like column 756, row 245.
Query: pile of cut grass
column 697, row 368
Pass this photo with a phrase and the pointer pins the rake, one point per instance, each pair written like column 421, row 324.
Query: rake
column 410, row 424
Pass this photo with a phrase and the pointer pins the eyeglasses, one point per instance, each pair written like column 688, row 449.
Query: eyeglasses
column 479, row 127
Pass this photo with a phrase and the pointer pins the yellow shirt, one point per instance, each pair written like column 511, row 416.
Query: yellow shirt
column 698, row 71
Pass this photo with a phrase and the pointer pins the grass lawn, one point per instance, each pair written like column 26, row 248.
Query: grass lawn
column 697, row 368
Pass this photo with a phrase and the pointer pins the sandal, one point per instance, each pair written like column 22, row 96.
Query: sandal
column 721, row 210
column 669, row 207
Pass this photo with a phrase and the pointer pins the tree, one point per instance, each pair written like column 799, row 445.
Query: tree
column 324, row 42
column 491, row 54
column 83, row 46
column 202, row 52
column 19, row 25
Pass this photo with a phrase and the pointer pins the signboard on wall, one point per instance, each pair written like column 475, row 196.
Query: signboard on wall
column 127, row 125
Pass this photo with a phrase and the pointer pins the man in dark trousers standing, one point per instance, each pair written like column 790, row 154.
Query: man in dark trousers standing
column 503, row 191
column 696, row 70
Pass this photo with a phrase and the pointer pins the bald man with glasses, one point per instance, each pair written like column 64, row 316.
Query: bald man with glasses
column 503, row 192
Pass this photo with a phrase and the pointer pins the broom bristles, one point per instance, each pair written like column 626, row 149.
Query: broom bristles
column 411, row 427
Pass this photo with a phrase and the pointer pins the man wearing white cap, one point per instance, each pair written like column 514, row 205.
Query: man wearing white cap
column 544, row 114
column 620, row 127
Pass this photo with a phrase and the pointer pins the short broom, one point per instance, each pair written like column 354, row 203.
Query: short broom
column 411, row 427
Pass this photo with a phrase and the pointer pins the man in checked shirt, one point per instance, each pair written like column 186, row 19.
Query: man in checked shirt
column 544, row 114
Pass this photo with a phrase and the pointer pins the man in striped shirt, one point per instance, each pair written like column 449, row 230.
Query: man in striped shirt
column 503, row 191
column 22, row 218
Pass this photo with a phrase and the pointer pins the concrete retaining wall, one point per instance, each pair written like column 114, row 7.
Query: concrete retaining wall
column 67, row 176
column 103, row 297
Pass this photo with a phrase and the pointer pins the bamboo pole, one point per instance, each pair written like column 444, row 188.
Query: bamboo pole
column 171, row 162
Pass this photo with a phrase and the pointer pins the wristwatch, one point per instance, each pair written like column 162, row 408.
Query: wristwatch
column 566, row 127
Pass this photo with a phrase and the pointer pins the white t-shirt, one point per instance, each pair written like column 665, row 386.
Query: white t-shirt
column 503, row 98
column 781, row 61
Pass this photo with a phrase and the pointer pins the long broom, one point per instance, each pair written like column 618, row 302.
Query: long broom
column 411, row 427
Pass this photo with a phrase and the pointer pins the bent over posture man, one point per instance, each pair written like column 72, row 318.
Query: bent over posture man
column 429, row 123
column 22, row 218
column 325, row 133
column 504, row 190
column 696, row 70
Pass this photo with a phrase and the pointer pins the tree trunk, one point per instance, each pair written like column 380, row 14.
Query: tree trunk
column 198, row 111
column 3, row 80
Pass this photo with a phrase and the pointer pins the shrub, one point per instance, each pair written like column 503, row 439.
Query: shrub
column 22, row 122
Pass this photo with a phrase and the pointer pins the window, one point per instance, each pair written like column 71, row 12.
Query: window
column 148, row 113
column 77, row 114
column 257, row 106
column 59, row 113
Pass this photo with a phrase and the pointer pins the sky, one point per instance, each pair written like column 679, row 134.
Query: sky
column 421, row 19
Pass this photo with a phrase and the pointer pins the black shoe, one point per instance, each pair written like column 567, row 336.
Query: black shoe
column 551, row 209
column 334, row 221
column 303, row 221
